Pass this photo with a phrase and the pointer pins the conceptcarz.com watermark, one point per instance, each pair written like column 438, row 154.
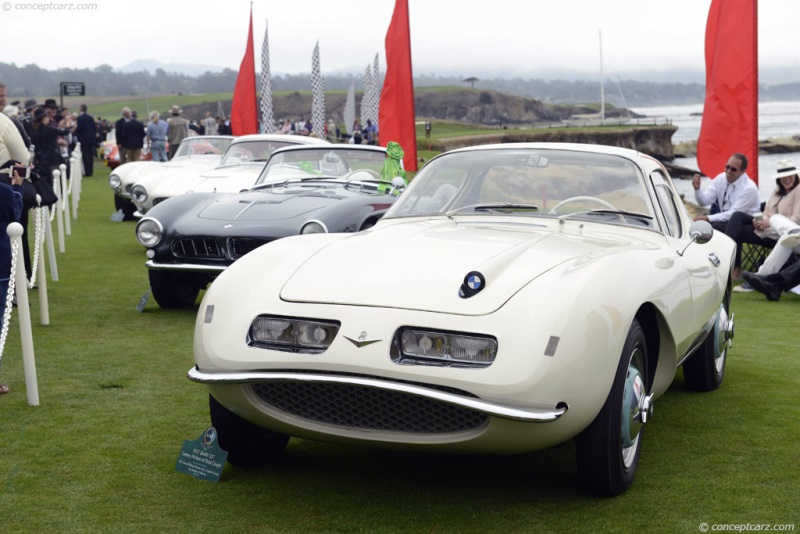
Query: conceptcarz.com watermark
column 746, row 527
column 47, row 6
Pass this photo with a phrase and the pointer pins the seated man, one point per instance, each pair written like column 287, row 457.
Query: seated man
column 730, row 191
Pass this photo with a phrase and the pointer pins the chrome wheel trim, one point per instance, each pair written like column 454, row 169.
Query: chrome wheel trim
column 723, row 333
column 635, row 402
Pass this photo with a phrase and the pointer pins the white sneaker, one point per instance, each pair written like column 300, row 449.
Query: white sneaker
column 791, row 239
column 743, row 288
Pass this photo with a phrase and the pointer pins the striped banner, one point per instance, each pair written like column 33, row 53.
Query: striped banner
column 350, row 108
column 377, row 85
column 317, row 96
column 367, row 97
column 267, row 119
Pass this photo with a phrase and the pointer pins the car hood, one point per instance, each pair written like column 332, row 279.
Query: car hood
column 255, row 207
column 422, row 265
column 231, row 179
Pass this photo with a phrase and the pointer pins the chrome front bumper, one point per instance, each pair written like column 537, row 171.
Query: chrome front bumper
column 150, row 264
column 529, row 415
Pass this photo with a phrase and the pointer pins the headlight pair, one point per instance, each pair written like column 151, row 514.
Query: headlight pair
column 416, row 346
column 292, row 334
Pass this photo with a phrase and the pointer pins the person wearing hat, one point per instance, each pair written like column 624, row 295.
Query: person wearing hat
column 47, row 156
column 780, row 222
column 177, row 130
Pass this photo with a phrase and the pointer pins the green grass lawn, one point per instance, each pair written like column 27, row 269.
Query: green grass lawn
column 99, row 453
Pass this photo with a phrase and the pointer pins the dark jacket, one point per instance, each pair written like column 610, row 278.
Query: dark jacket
column 86, row 130
column 134, row 135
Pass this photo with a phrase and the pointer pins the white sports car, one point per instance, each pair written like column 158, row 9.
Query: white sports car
column 237, row 170
column 195, row 154
column 513, row 298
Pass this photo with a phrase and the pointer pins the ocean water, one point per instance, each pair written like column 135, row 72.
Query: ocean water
column 775, row 120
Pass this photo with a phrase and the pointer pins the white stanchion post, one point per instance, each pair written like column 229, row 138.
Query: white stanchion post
column 78, row 177
column 65, row 199
column 44, row 305
column 59, row 210
column 51, row 247
column 75, row 167
column 26, row 332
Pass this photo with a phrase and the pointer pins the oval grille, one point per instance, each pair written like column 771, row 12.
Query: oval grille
column 360, row 407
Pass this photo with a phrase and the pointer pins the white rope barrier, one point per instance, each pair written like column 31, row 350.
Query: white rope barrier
column 48, row 239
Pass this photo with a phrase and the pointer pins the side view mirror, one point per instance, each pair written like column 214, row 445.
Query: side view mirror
column 701, row 232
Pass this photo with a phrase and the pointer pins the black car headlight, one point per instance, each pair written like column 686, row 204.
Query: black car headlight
column 292, row 334
column 417, row 346
column 314, row 227
column 115, row 182
column 149, row 232
column 139, row 193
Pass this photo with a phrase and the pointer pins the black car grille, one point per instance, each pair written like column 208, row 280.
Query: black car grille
column 197, row 247
column 360, row 407
column 239, row 246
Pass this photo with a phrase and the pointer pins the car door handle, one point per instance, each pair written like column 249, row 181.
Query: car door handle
column 712, row 257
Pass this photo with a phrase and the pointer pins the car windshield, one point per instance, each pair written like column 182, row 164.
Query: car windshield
column 251, row 152
column 201, row 145
column 324, row 162
column 529, row 182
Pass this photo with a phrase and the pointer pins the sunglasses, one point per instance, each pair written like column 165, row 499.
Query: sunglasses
column 729, row 168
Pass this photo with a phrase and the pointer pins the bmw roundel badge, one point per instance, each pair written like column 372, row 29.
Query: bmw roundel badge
column 474, row 282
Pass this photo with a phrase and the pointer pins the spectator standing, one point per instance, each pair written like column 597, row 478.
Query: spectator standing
column 86, row 133
column 157, row 134
column 210, row 124
column 223, row 128
column 177, row 130
column 119, row 133
column 134, row 138
column 357, row 134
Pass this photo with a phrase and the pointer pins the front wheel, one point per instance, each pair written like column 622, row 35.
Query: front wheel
column 608, row 449
column 704, row 369
column 246, row 443
column 173, row 289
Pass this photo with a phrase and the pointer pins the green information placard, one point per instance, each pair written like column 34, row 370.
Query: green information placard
column 202, row 458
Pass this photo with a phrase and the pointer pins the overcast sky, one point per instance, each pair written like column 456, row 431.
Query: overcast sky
column 458, row 37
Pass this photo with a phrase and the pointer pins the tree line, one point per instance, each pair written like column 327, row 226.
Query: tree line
column 32, row 81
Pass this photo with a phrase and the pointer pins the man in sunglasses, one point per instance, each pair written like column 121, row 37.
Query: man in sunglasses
column 729, row 192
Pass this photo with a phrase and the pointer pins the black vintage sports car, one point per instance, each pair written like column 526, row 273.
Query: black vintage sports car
column 191, row 238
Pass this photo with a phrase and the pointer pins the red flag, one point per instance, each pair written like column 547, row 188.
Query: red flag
column 730, row 114
column 396, row 110
column 244, row 109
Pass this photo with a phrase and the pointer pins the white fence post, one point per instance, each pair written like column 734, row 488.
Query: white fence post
column 59, row 210
column 51, row 247
column 41, row 275
column 65, row 199
column 26, row 333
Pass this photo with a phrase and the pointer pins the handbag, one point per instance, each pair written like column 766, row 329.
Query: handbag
column 44, row 190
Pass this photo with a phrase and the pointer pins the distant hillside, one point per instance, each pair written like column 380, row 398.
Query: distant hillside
column 153, row 78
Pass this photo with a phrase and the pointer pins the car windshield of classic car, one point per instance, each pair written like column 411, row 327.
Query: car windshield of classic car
column 202, row 145
column 324, row 162
column 251, row 152
column 530, row 182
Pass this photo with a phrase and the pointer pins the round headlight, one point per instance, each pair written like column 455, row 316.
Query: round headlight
column 139, row 193
column 314, row 227
column 114, row 181
column 149, row 232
